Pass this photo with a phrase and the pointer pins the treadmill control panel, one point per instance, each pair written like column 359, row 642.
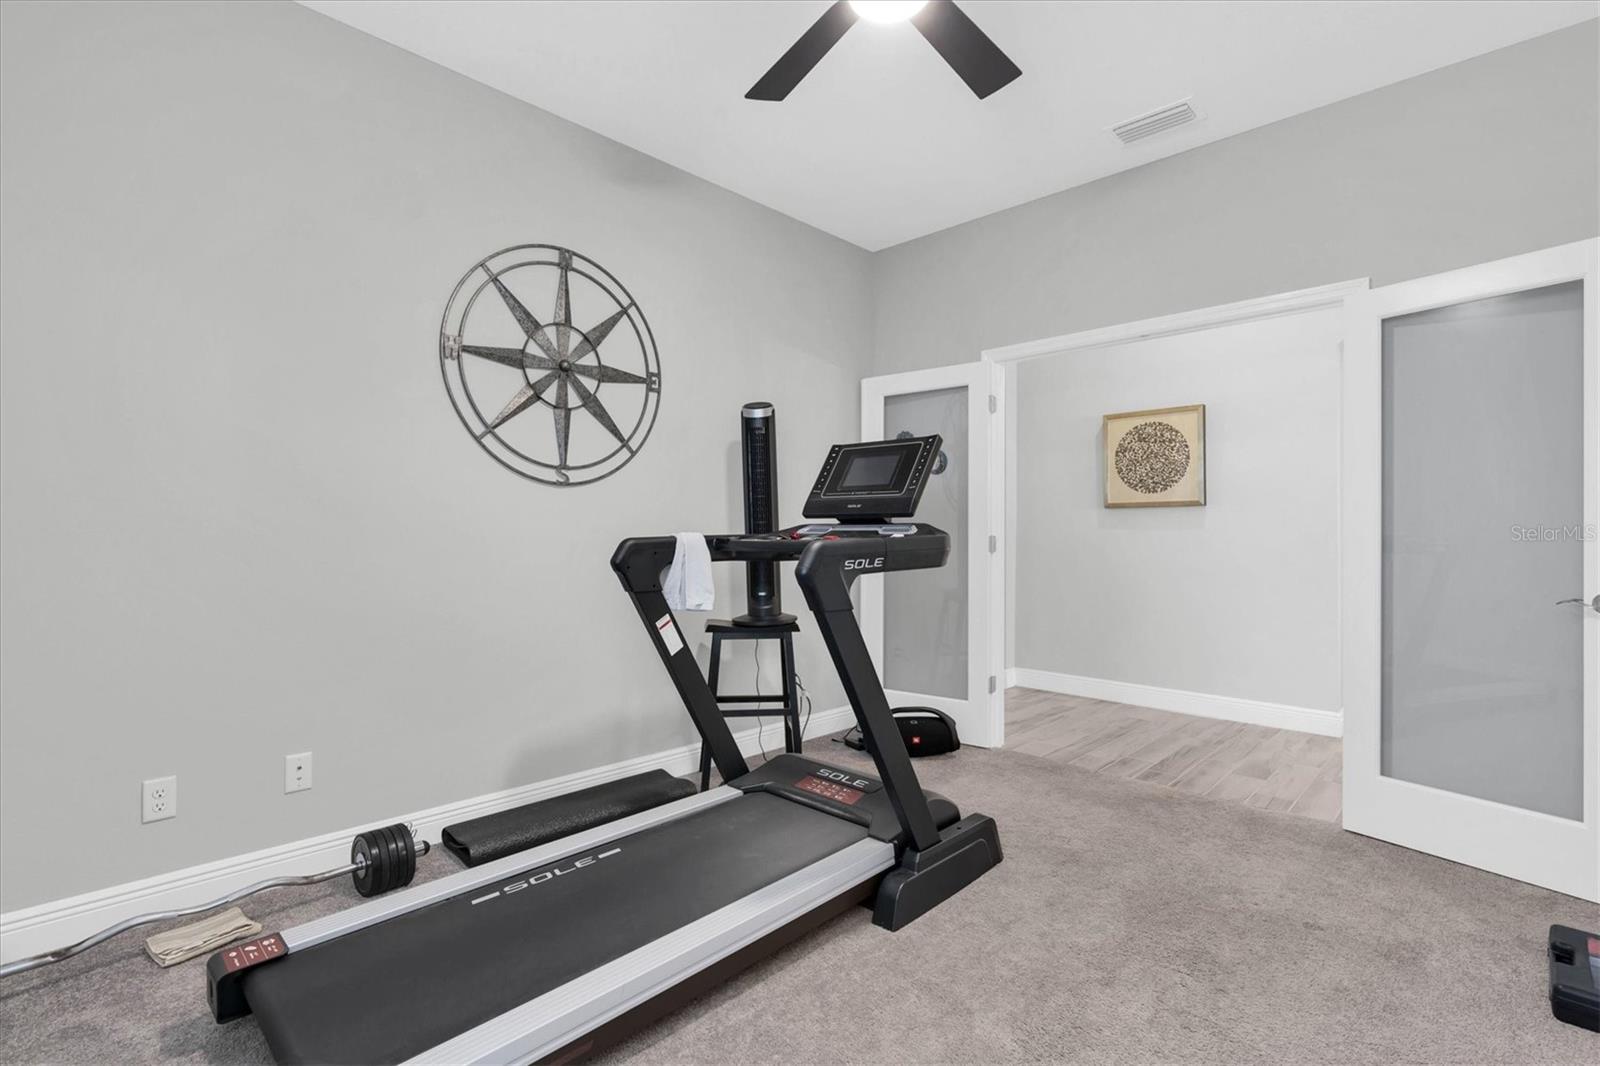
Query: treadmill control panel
column 838, row 785
column 828, row 529
column 874, row 481
column 226, row 970
column 830, row 790
column 252, row 952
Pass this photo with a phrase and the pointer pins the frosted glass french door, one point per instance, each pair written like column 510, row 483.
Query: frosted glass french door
column 934, row 633
column 1472, row 567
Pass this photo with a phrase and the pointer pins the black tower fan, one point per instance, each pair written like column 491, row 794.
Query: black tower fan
column 760, row 447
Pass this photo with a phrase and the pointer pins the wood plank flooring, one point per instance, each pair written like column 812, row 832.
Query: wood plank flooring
column 1278, row 769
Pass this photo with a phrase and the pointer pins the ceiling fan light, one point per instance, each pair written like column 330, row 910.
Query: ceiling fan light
column 887, row 10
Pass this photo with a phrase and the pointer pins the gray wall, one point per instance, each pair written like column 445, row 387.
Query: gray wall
column 1238, row 598
column 1487, row 158
column 240, row 517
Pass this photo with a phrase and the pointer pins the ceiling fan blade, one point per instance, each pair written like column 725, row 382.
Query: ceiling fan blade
column 965, row 47
column 805, row 53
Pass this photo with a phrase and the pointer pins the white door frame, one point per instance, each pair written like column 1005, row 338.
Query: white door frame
column 985, row 526
column 1554, row 852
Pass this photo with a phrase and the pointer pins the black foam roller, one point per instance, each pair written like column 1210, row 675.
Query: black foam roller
column 497, row 835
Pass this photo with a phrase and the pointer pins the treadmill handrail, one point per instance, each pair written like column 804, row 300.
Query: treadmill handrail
column 639, row 563
column 825, row 574
column 825, row 569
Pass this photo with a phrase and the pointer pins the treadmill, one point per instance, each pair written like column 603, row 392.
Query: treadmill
column 560, row 950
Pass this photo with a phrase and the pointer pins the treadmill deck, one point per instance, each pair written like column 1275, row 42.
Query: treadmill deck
column 375, row 996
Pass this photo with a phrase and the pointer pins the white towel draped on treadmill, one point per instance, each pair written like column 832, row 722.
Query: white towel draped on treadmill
column 688, row 584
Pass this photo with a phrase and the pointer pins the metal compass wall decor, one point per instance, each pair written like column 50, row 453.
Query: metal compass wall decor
column 549, row 399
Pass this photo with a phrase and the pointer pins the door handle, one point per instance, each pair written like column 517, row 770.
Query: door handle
column 1593, row 604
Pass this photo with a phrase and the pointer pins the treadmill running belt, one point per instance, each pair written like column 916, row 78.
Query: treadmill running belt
column 398, row 988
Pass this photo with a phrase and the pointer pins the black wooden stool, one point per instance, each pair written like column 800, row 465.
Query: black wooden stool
column 720, row 630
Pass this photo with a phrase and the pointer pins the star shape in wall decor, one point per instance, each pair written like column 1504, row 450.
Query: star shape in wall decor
column 560, row 365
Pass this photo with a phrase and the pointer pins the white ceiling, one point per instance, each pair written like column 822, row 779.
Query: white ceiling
column 882, row 142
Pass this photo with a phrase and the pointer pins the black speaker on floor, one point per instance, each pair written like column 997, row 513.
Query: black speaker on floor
column 759, row 446
column 926, row 731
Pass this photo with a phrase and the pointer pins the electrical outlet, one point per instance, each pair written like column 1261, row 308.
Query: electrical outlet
column 297, row 772
column 160, row 799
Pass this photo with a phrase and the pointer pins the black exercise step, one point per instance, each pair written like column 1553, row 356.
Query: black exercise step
column 494, row 836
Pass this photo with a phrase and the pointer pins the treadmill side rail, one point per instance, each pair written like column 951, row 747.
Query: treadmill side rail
column 924, row 879
column 416, row 897
column 552, row 1021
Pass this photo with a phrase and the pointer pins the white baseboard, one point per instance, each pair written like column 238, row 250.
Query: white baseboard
column 1232, row 708
column 46, row 926
column 1011, row 677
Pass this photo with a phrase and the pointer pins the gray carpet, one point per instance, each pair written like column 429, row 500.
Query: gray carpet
column 1129, row 923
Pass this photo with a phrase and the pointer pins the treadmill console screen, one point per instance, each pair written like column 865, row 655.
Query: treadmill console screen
column 872, row 471
column 874, row 481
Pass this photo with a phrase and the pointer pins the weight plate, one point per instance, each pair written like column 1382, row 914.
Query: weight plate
column 383, row 871
column 391, row 869
column 408, row 855
column 364, row 847
column 359, row 874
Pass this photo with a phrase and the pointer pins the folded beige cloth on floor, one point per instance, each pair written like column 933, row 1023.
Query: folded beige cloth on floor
column 197, row 938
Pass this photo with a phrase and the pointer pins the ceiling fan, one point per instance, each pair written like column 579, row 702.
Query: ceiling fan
column 953, row 35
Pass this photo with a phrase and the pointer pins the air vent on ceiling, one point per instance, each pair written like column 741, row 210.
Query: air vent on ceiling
column 1158, row 121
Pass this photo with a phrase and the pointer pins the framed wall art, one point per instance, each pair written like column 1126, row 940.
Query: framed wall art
column 1156, row 458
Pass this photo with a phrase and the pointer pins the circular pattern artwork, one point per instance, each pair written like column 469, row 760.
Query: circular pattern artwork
column 1152, row 457
column 565, row 397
